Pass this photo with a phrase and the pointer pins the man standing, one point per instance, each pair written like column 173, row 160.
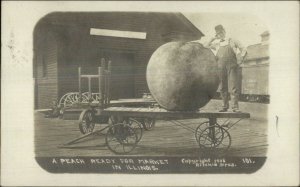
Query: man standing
column 230, row 54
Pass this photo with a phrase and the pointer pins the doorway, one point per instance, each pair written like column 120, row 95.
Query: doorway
column 122, row 75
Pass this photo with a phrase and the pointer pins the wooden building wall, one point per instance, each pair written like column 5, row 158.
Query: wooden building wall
column 46, row 72
column 79, row 48
column 72, row 46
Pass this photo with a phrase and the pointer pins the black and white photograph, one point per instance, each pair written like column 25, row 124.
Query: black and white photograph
column 146, row 92
column 143, row 84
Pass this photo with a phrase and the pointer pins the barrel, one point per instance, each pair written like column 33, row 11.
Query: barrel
column 182, row 76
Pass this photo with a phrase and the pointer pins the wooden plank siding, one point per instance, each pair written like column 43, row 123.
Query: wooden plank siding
column 47, row 76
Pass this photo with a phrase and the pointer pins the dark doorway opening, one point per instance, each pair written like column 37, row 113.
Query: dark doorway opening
column 122, row 77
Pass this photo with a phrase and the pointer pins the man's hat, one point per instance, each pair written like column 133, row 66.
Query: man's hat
column 219, row 29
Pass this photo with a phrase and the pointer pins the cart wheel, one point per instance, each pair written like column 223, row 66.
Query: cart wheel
column 95, row 96
column 214, row 137
column 137, row 127
column 86, row 121
column 200, row 129
column 85, row 97
column 148, row 124
column 121, row 138
column 70, row 99
column 63, row 98
column 73, row 98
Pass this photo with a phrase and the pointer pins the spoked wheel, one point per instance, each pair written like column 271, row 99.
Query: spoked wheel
column 74, row 98
column 200, row 129
column 84, row 97
column 136, row 126
column 121, row 138
column 95, row 97
column 70, row 99
column 148, row 123
column 86, row 121
column 214, row 138
column 62, row 99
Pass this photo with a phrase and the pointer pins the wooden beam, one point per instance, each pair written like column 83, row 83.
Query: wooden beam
column 165, row 114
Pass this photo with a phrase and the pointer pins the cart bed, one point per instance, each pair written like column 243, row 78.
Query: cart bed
column 160, row 113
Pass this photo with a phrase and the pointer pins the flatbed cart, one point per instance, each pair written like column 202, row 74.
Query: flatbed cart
column 89, row 117
column 125, row 130
column 125, row 127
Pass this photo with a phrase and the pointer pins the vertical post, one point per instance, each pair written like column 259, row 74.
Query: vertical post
column 101, row 81
column 79, row 84
column 103, row 66
column 212, row 123
column 90, row 88
column 103, row 63
column 109, row 68
column 105, row 87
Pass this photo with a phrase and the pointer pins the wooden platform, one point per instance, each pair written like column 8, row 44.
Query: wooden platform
column 119, row 102
column 128, row 102
column 160, row 113
column 74, row 112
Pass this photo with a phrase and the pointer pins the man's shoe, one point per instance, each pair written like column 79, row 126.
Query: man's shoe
column 236, row 110
column 223, row 110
